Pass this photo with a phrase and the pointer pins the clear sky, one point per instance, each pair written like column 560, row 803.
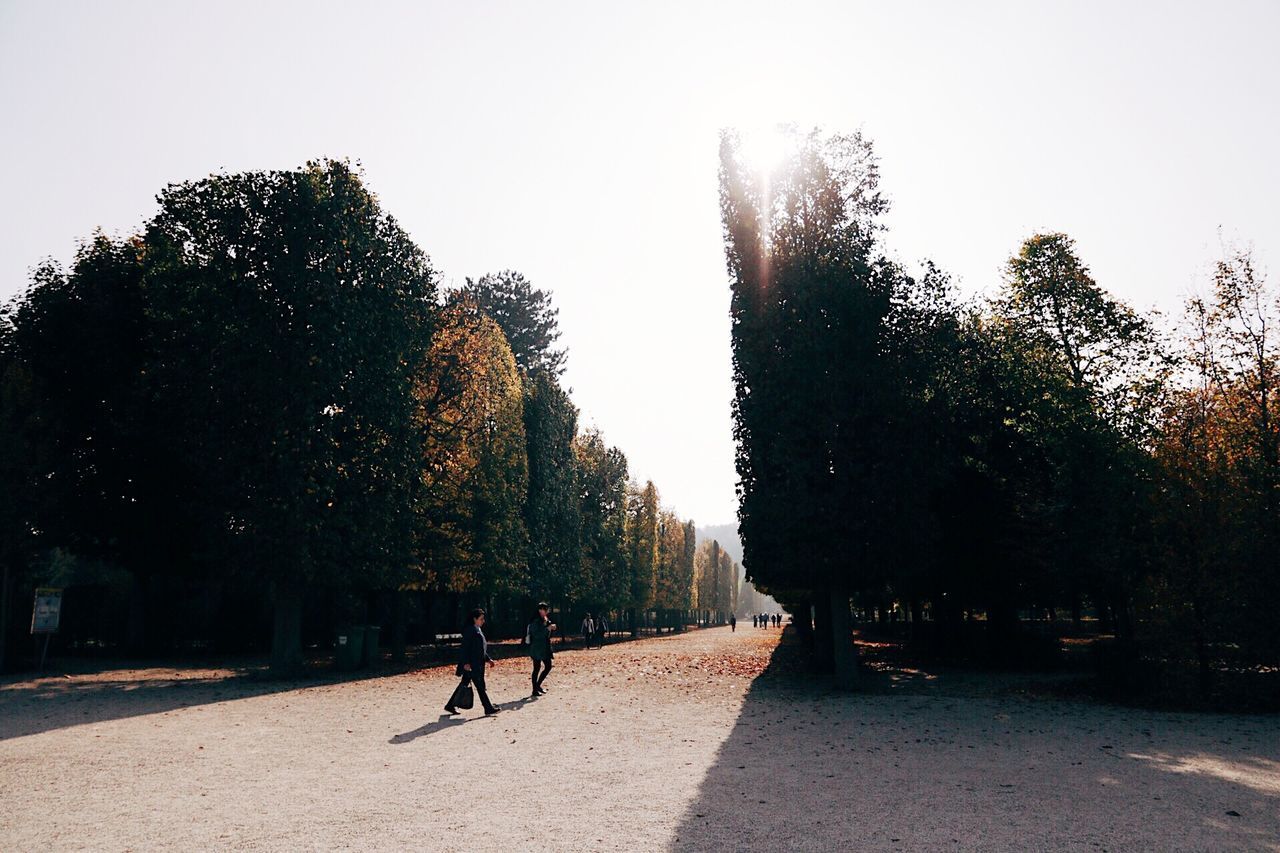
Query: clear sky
column 577, row 143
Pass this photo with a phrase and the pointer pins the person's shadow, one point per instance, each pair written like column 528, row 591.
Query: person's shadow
column 447, row 721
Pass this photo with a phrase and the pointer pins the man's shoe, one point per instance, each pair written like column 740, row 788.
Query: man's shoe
column 489, row 712
column 538, row 691
column 449, row 709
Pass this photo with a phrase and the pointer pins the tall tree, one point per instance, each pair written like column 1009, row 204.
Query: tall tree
column 553, row 509
column 602, row 483
column 642, row 547
column 727, row 584
column 812, row 413
column 670, row 548
column 1103, row 372
column 290, row 315
column 708, row 564
column 108, row 484
column 1219, row 527
column 471, row 535
column 526, row 316
column 26, row 445
column 1104, row 348
column 687, row 566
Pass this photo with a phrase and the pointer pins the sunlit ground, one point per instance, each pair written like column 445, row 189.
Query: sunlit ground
column 710, row 740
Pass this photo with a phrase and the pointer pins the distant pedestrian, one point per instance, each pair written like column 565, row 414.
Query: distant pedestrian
column 733, row 623
column 602, row 628
column 475, row 654
column 588, row 631
column 538, row 638
column 755, row 620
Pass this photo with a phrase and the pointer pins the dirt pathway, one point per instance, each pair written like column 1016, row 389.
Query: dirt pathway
column 669, row 743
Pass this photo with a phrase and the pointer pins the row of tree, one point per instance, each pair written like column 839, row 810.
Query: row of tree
column 266, row 391
column 1046, row 450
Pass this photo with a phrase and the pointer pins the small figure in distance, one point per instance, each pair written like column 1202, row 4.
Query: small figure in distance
column 755, row 620
column 475, row 654
column 733, row 624
column 588, row 631
column 602, row 628
column 538, row 638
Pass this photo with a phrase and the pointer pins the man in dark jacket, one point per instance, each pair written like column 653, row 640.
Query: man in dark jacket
column 475, row 654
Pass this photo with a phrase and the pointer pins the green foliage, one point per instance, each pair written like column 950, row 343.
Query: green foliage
column 553, row 510
column 470, row 530
column 642, row 544
column 81, row 349
column 303, row 308
column 526, row 317
column 261, row 390
column 814, row 408
column 602, row 498
column 1037, row 451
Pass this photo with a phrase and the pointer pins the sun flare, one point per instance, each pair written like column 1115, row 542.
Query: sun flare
column 765, row 149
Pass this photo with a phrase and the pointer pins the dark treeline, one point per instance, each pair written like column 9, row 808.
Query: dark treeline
column 260, row 418
column 972, row 469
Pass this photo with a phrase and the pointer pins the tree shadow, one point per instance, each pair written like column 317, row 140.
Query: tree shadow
column 90, row 690
column 923, row 761
column 93, row 691
column 94, row 695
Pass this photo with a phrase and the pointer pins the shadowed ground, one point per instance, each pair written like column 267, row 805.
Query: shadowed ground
column 967, row 761
column 708, row 740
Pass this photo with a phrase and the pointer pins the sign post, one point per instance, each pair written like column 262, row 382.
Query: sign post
column 45, row 615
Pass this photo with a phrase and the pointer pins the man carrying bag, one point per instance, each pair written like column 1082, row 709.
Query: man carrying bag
column 475, row 654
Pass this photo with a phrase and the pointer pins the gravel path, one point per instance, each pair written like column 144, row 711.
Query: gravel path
column 667, row 743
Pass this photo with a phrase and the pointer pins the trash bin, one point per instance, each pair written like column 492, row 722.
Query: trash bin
column 369, row 654
column 348, row 648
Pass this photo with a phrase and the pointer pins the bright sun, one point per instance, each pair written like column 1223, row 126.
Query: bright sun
column 767, row 148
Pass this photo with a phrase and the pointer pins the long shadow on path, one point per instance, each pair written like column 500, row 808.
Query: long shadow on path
column 806, row 768
column 449, row 721
column 92, row 691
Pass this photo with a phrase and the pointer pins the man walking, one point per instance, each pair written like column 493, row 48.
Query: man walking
column 588, row 631
column 733, row 624
column 475, row 654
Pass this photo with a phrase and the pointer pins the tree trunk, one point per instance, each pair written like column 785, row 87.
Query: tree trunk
column 397, row 625
column 804, row 623
column 1105, row 623
column 1202, row 654
column 5, row 583
column 1124, row 618
column 286, row 634
column 427, row 600
column 137, row 614
column 844, row 652
column 822, row 645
